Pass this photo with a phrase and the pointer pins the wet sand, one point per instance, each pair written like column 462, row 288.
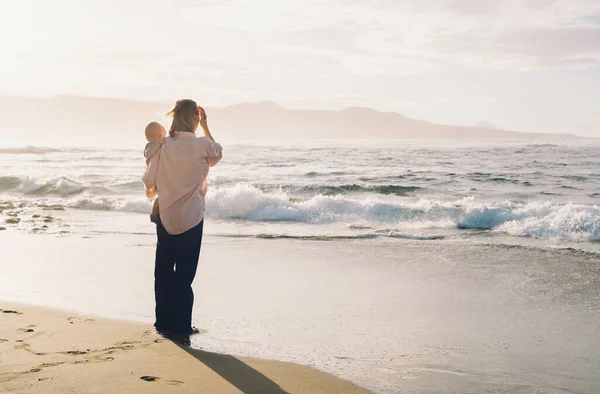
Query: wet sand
column 51, row 351
column 392, row 316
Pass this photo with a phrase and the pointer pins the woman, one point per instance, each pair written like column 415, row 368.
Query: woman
column 178, row 174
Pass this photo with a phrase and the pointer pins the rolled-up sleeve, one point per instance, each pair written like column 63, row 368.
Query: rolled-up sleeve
column 211, row 150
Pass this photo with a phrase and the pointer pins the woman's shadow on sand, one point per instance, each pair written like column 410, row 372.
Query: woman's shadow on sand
column 239, row 374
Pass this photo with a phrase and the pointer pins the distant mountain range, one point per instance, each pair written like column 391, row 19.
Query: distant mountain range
column 484, row 125
column 84, row 118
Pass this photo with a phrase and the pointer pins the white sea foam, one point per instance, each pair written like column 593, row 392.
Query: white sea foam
column 400, row 216
column 532, row 219
column 62, row 186
column 545, row 220
column 26, row 185
column 112, row 204
column 409, row 191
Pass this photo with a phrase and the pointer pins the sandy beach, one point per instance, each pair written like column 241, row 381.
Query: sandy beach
column 44, row 350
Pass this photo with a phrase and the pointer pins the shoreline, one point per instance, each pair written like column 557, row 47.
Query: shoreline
column 49, row 350
column 399, row 318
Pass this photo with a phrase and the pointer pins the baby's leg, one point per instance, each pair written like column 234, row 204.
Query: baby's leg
column 154, row 216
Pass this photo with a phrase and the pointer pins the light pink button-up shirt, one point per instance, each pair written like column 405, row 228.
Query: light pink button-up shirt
column 178, row 173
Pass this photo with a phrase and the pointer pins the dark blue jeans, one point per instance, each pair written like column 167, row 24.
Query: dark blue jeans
column 174, row 271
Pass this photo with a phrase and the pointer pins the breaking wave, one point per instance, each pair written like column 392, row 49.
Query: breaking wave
column 534, row 219
column 359, row 207
column 62, row 186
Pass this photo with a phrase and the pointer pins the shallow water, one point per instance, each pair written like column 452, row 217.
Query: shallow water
column 395, row 316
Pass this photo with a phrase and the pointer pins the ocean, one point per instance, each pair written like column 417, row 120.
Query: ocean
column 518, row 193
column 403, row 266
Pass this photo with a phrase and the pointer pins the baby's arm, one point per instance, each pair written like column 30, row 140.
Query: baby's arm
column 150, row 193
column 152, row 149
column 149, row 177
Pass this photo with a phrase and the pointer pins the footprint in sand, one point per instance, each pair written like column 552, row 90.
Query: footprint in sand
column 122, row 346
column 83, row 319
column 95, row 359
column 45, row 365
column 74, row 352
column 3, row 340
column 149, row 378
column 26, row 329
column 20, row 345
column 148, row 333
column 10, row 311
column 127, row 343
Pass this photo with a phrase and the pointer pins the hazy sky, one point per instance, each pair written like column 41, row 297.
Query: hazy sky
column 529, row 65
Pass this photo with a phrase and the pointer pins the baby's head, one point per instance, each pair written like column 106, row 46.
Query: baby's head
column 155, row 131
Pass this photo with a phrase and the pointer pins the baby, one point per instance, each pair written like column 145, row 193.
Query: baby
column 155, row 134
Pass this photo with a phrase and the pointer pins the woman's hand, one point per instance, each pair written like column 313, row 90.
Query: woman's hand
column 204, row 123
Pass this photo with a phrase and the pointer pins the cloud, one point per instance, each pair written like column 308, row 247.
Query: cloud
column 524, row 47
column 403, row 36
column 331, row 37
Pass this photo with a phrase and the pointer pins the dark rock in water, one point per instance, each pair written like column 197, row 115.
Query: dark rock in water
column 2, row 228
column 6, row 205
column 48, row 219
column 13, row 220
column 36, row 216
column 52, row 208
